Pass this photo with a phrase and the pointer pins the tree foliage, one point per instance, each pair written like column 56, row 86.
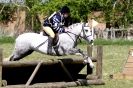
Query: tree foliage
column 6, row 13
column 120, row 11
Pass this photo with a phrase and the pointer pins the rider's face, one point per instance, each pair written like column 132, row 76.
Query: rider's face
column 66, row 15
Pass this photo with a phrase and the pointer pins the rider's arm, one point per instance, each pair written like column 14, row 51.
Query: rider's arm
column 57, row 24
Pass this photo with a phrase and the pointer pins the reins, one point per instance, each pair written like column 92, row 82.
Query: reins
column 79, row 36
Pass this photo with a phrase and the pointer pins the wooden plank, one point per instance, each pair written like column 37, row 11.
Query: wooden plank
column 99, row 62
column 1, row 57
column 130, row 60
column 27, row 63
column 81, row 82
column 91, row 77
column 66, row 71
column 129, row 65
column 33, row 74
column 130, row 56
column 47, row 62
column 89, row 52
column 127, row 71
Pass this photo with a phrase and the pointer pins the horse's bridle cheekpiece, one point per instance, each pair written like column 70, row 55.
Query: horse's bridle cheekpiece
column 79, row 36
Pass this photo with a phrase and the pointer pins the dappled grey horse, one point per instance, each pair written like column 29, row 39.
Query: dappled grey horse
column 28, row 42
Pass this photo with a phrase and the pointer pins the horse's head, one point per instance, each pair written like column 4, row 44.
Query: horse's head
column 86, row 33
column 82, row 30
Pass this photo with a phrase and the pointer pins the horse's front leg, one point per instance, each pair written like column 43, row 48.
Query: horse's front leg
column 86, row 58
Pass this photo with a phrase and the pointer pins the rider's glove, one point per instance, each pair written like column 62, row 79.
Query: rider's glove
column 66, row 29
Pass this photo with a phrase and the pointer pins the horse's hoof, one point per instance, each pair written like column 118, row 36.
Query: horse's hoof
column 91, row 64
column 85, row 62
column 78, row 54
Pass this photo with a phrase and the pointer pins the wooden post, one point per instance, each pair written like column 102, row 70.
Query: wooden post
column 110, row 34
column 1, row 57
column 99, row 62
column 89, row 52
column 32, row 22
column 33, row 74
column 66, row 71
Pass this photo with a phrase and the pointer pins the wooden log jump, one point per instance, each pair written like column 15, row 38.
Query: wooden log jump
column 47, row 62
column 33, row 74
column 53, row 72
column 98, row 63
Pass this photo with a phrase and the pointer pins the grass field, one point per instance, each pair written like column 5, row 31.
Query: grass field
column 113, row 60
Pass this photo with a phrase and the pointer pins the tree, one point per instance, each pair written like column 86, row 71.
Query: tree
column 114, row 10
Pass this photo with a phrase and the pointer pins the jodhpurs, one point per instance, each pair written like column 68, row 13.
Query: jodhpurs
column 49, row 31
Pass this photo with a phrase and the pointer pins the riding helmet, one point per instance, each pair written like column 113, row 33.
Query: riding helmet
column 65, row 9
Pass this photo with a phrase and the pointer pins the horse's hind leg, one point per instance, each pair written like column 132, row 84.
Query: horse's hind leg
column 17, row 55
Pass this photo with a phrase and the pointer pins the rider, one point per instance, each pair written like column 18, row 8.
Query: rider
column 54, row 25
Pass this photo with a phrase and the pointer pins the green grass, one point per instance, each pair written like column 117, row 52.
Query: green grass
column 110, row 42
column 4, row 39
column 113, row 60
column 113, row 42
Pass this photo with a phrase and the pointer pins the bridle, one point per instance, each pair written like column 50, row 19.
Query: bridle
column 79, row 36
column 85, row 36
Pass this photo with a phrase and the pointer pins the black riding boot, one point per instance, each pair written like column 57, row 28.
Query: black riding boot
column 50, row 44
column 56, row 38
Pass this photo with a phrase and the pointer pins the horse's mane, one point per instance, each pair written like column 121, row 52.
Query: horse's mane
column 73, row 25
